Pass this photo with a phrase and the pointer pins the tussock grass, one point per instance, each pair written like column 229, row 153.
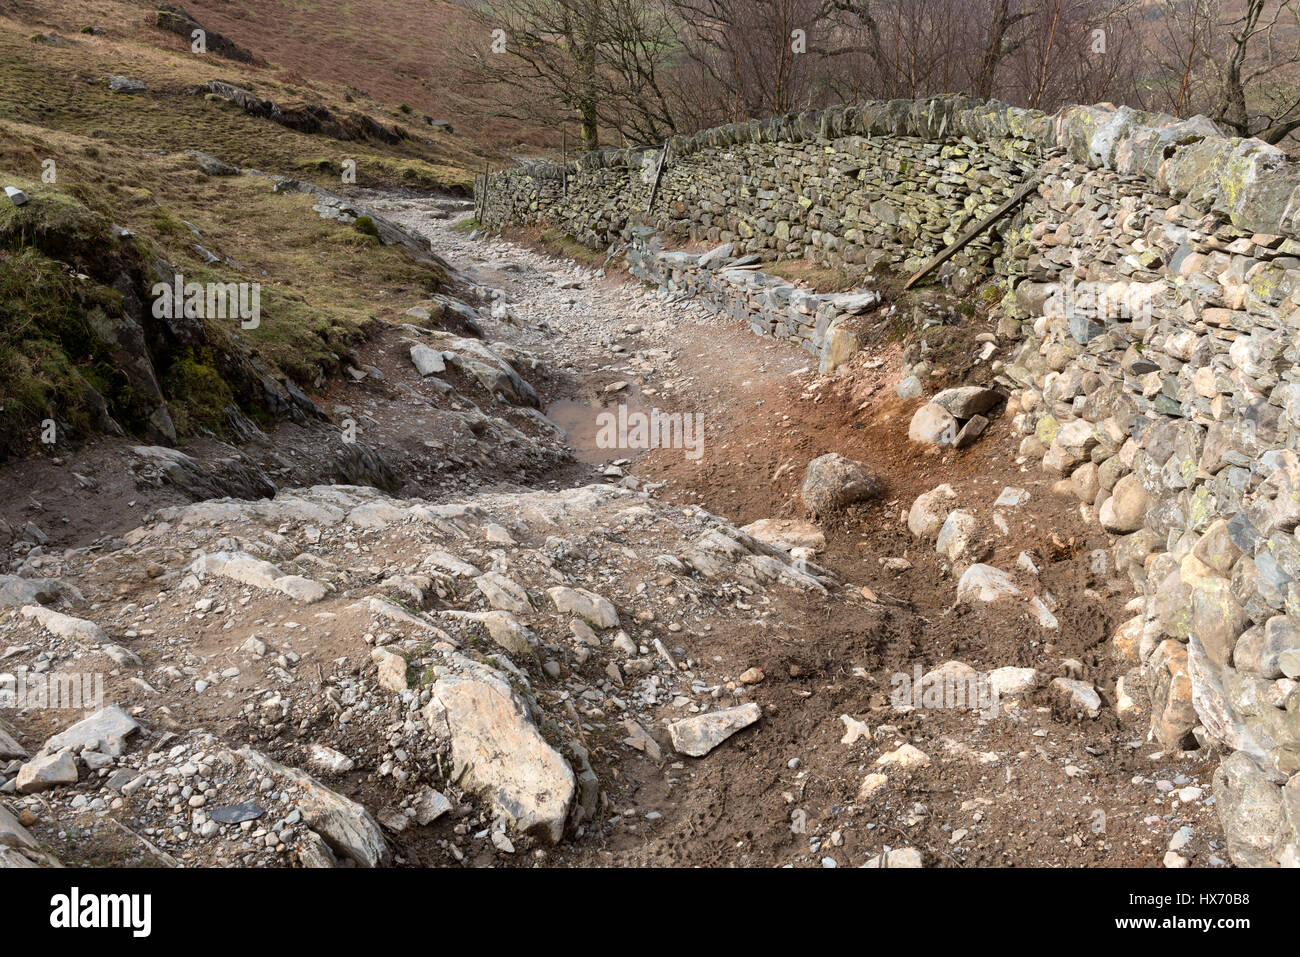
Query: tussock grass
column 818, row 278
column 121, row 160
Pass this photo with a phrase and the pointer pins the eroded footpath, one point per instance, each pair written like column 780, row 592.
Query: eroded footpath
column 608, row 620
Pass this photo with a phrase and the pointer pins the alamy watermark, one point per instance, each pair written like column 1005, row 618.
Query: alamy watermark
column 655, row 429
column 57, row 690
column 971, row 691
column 214, row 300
column 1103, row 301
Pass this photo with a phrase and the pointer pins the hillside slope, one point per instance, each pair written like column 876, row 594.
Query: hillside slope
column 129, row 147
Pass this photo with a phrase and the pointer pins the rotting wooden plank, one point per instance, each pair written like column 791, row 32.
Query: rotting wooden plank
column 1027, row 187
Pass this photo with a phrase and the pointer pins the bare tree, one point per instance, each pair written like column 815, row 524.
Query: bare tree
column 1238, row 62
column 1258, row 93
column 638, row 48
column 1078, row 51
column 751, row 55
column 648, row 68
column 597, row 61
column 1003, row 38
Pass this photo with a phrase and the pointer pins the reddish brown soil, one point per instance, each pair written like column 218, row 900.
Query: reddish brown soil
column 735, row 806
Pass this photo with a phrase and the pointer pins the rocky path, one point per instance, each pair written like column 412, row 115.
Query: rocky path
column 1046, row 783
column 604, row 668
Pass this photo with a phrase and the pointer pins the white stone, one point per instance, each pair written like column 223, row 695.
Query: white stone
column 697, row 736
column 984, row 583
column 497, row 751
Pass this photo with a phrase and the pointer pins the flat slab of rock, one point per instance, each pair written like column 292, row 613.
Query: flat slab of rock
column 19, row 847
column 587, row 605
column 984, row 583
column 429, row 806
column 971, row 431
column 698, row 735
column 908, row 857
column 787, row 533
column 904, row 756
column 105, row 731
column 504, row 593
column 1076, row 696
column 428, row 361
column 66, row 626
column 347, row 827
column 396, row 613
column 1011, row 497
column 237, row 813
column 327, row 759
column 13, row 834
column 250, row 570
column 9, row 746
column 392, row 669
column 504, row 628
column 1011, row 681
column 498, row 752
column 856, row 303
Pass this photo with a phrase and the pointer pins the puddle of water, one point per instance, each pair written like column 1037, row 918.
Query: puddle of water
column 579, row 418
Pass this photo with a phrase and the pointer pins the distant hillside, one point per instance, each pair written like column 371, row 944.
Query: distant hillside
column 394, row 51
column 127, row 144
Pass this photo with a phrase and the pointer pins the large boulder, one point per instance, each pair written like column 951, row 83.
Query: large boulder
column 966, row 401
column 958, row 536
column 1252, row 812
column 587, row 605
column 46, row 771
column 831, row 482
column 840, row 345
column 930, row 511
column 1126, row 509
column 497, row 750
column 125, row 84
column 933, row 425
column 984, row 583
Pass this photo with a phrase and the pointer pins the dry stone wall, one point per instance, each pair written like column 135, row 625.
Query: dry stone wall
column 821, row 325
column 1159, row 377
column 887, row 184
column 1152, row 306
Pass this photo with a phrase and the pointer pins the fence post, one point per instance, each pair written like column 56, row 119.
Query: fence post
column 659, row 171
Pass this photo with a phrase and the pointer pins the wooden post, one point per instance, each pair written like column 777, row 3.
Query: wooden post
column 1025, row 189
column 654, row 188
column 564, row 162
column 482, row 214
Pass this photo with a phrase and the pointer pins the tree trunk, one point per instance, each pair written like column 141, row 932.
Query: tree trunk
column 590, row 125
